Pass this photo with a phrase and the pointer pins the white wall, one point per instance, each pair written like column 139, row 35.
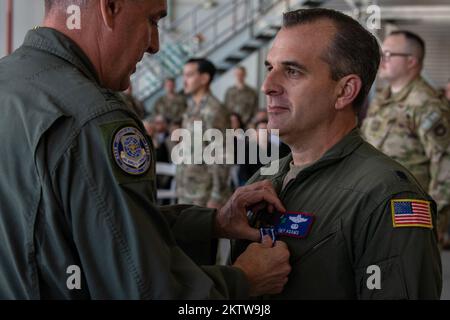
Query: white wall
column 27, row 14
column 2, row 28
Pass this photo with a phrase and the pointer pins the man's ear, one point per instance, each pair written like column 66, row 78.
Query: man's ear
column 109, row 10
column 413, row 62
column 205, row 78
column 348, row 89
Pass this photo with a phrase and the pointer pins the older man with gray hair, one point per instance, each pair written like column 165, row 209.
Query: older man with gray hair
column 77, row 199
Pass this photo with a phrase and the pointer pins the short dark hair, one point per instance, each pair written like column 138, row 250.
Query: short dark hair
column 204, row 66
column 261, row 121
column 242, row 68
column 353, row 50
column 238, row 116
column 413, row 40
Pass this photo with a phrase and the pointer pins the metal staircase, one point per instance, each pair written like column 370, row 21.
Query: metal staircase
column 227, row 34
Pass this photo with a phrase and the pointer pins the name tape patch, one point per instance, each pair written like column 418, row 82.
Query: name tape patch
column 295, row 224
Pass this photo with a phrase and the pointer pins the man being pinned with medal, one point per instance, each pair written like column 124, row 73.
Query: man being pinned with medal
column 357, row 224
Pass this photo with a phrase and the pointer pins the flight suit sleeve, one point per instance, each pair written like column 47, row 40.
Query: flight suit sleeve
column 126, row 246
column 192, row 227
column 397, row 261
column 433, row 124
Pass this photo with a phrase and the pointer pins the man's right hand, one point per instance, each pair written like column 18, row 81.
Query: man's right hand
column 231, row 220
column 266, row 267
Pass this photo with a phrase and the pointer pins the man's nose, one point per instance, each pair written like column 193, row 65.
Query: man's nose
column 271, row 87
column 154, row 41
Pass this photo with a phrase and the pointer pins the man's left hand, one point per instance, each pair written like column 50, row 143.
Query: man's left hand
column 231, row 220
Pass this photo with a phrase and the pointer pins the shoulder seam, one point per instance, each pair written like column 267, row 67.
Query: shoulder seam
column 76, row 132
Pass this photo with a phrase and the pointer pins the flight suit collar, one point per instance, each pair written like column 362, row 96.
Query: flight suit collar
column 339, row 151
column 56, row 43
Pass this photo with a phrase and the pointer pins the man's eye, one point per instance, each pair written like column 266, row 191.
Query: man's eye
column 293, row 72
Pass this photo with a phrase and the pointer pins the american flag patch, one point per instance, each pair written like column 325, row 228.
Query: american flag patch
column 411, row 213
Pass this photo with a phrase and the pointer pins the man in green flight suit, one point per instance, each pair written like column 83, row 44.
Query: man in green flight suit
column 358, row 225
column 77, row 194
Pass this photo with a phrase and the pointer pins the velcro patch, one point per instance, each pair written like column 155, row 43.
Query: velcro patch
column 411, row 213
column 431, row 120
column 440, row 130
column 295, row 224
column 131, row 151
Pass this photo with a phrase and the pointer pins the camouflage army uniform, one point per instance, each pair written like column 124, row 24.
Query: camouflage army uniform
column 172, row 109
column 199, row 183
column 412, row 127
column 243, row 102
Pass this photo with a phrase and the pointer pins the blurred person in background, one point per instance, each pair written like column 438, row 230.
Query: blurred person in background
column 241, row 98
column 447, row 91
column 134, row 104
column 202, row 184
column 261, row 115
column 410, row 122
column 172, row 105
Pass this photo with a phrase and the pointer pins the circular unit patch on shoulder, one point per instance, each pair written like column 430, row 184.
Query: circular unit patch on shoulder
column 440, row 130
column 131, row 151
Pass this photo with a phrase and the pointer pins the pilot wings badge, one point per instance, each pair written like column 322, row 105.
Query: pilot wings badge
column 295, row 224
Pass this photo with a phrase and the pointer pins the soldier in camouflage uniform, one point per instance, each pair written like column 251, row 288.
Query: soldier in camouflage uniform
column 172, row 105
column 447, row 92
column 409, row 122
column 241, row 98
column 202, row 184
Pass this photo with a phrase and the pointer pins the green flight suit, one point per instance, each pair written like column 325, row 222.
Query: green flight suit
column 349, row 191
column 77, row 188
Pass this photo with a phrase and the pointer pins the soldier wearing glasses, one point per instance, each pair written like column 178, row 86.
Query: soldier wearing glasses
column 409, row 122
